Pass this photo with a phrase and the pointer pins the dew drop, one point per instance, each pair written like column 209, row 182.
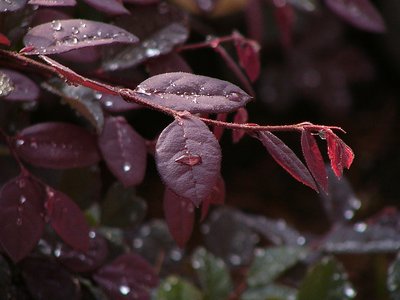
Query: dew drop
column 233, row 97
column 74, row 30
column 56, row 25
column 360, row 227
column 22, row 199
column 189, row 159
column 127, row 167
column 19, row 221
column 19, row 142
column 124, row 290
column 150, row 52
column 301, row 240
column 235, row 259
column 349, row 292
column 92, row 234
column 137, row 243
column 175, row 255
column 348, row 214
column 196, row 264
column 108, row 103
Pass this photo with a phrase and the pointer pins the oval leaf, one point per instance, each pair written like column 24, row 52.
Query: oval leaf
column 61, row 36
column 11, row 5
column 57, row 146
column 248, row 53
column 359, row 13
column 110, row 7
column 21, row 222
column 217, row 197
column 314, row 159
column 286, row 158
column 24, row 89
column 188, row 158
column 179, row 215
column 193, row 93
column 67, row 219
column 124, row 151
column 340, row 154
column 53, row 2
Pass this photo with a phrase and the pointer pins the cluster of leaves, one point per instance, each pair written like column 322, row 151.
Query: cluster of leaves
column 105, row 65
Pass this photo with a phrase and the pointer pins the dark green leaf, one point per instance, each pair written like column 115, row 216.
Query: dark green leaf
column 174, row 288
column 270, row 292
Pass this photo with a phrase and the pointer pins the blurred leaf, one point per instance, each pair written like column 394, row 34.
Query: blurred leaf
column 174, row 288
column 270, row 263
column 326, row 280
column 213, row 275
column 122, row 207
column 95, row 292
column 393, row 279
column 270, row 292
column 306, row 5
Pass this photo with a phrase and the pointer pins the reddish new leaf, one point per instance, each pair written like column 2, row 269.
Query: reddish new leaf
column 241, row 117
column 188, row 158
column 110, row 7
column 24, row 89
column 284, row 16
column 21, row 211
column 286, row 158
column 57, row 146
column 193, row 93
column 124, row 151
column 67, row 219
column 340, row 154
column 11, row 5
column 217, row 197
column 248, row 53
column 61, row 36
column 127, row 277
column 179, row 215
column 53, row 2
column 4, row 40
column 359, row 13
column 314, row 159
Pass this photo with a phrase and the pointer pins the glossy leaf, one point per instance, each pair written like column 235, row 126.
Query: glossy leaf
column 115, row 103
column 216, row 197
column 248, row 53
column 240, row 117
column 122, row 207
column 179, row 215
column 110, row 7
column 314, row 159
column 4, row 40
column 269, row 292
column 270, row 263
column 52, row 2
column 188, row 158
column 326, row 280
column 127, row 277
column 46, row 279
column 286, row 158
column 123, row 150
column 193, row 93
column 175, row 288
column 359, row 13
column 21, row 221
column 12, row 5
column 67, row 219
column 393, row 279
column 23, row 88
column 213, row 275
column 340, row 154
column 306, row 5
column 57, row 146
column 6, row 85
column 61, row 36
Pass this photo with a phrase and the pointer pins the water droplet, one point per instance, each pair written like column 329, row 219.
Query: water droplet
column 108, row 103
column 34, row 145
column 349, row 292
column 360, row 227
column 125, row 290
column 22, row 199
column 176, row 255
column 92, row 234
column 235, row 259
column 74, row 30
column 19, row 221
column 127, row 167
column 196, row 264
column 137, row 243
column 57, row 252
column 139, row 89
column 301, row 240
column 150, row 52
column 19, row 142
column 145, row 230
column 233, row 97
column 56, row 25
column 189, row 159
column 167, row 287
column 348, row 214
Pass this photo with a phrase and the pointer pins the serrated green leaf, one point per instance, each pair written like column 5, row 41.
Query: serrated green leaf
column 270, row 292
column 326, row 280
column 175, row 288
column 213, row 274
column 122, row 207
column 393, row 279
column 270, row 263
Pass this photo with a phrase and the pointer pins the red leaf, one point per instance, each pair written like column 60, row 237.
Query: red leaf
column 340, row 154
column 241, row 117
column 286, row 158
column 110, row 7
column 219, row 130
column 284, row 15
column 61, row 36
column 124, row 151
column 359, row 13
column 67, row 219
column 314, row 159
column 4, row 40
column 217, row 197
column 57, row 146
column 127, row 277
column 179, row 215
column 21, row 211
column 188, row 158
column 248, row 53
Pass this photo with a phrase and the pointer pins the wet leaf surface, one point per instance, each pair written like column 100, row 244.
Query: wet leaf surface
column 17, row 87
column 52, row 2
column 110, row 7
column 12, row 5
column 6, row 85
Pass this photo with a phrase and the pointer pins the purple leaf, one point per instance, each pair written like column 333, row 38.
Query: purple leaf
column 67, row 219
column 216, row 197
column 82, row 56
column 286, row 158
column 53, row 2
column 188, row 158
column 124, row 151
column 21, row 216
column 168, row 63
column 57, row 146
column 61, row 36
column 359, row 13
column 11, row 5
column 115, row 103
column 193, row 93
column 90, row 260
column 127, row 277
column 110, row 7
column 24, row 89
column 314, row 159
column 46, row 279
column 179, row 215
column 141, row 2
